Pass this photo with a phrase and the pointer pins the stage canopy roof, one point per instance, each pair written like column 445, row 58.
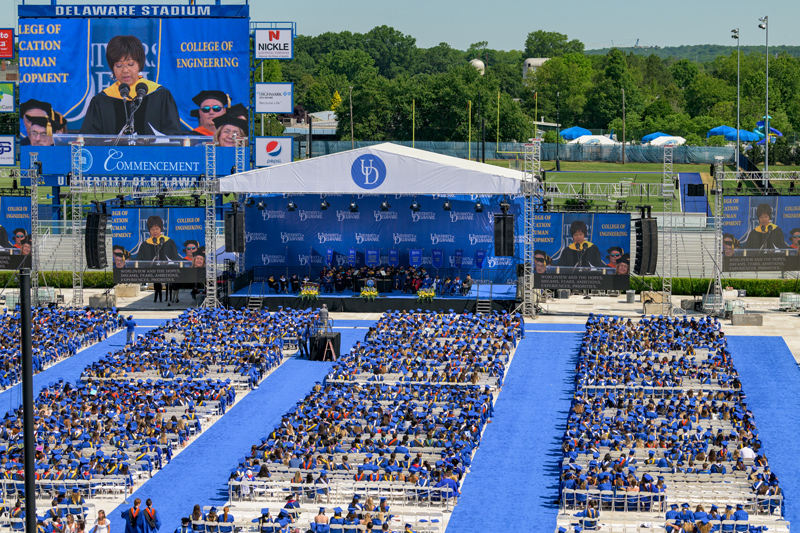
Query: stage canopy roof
column 380, row 169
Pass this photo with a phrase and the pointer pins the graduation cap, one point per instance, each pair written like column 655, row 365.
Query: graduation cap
column 202, row 96
column 24, row 107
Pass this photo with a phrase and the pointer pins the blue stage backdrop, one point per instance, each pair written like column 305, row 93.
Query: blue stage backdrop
column 64, row 72
column 582, row 251
column 761, row 233
column 15, row 232
column 279, row 238
column 165, row 245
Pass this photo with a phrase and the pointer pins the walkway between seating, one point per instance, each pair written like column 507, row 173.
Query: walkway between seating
column 693, row 204
column 199, row 474
column 514, row 476
column 771, row 379
column 70, row 369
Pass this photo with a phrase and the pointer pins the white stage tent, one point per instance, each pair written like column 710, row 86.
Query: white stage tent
column 380, row 169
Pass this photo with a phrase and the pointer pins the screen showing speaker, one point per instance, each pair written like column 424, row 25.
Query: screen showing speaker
column 582, row 251
column 15, row 232
column 760, row 233
column 159, row 245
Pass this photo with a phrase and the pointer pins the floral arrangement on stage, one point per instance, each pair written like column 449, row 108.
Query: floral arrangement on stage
column 369, row 293
column 425, row 295
column 309, row 293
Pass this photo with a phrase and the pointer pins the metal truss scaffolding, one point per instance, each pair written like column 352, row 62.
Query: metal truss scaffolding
column 76, row 189
column 530, row 177
column 241, row 166
column 668, row 189
column 206, row 186
column 211, row 190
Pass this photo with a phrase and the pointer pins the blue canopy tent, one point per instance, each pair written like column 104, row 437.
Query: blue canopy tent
column 649, row 137
column 574, row 132
column 745, row 136
column 721, row 130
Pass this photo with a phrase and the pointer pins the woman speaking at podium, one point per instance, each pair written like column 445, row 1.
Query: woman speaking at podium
column 153, row 107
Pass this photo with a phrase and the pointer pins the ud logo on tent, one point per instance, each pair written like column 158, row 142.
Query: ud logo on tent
column 368, row 171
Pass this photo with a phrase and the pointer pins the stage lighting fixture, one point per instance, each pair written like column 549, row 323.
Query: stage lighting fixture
column 261, row 205
column 478, row 207
column 620, row 205
column 196, row 200
column 545, row 201
column 291, row 206
column 325, row 204
column 385, row 205
column 446, row 206
column 415, row 207
column 38, row 165
column 504, row 207
column 250, row 202
column 160, row 198
column 353, row 206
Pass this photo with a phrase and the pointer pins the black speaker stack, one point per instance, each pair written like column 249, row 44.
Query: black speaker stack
column 504, row 235
column 234, row 232
column 95, row 240
column 646, row 247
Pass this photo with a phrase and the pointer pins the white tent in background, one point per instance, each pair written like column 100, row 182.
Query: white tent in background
column 672, row 140
column 593, row 140
column 379, row 169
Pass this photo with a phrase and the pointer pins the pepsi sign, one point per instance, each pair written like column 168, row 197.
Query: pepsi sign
column 272, row 151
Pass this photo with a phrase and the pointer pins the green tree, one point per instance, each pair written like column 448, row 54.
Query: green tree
column 705, row 92
column 551, row 44
column 438, row 59
column 393, row 52
column 345, row 62
column 684, row 72
column 569, row 76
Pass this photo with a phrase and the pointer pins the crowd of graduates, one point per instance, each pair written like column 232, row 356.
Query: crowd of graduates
column 113, row 422
column 433, row 348
column 421, row 434
column 657, row 398
column 56, row 333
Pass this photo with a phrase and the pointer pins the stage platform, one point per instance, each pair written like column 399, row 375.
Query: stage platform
column 503, row 297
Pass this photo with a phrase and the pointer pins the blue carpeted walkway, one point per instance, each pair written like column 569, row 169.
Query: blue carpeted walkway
column 200, row 473
column 693, row 204
column 771, row 379
column 514, row 477
column 70, row 369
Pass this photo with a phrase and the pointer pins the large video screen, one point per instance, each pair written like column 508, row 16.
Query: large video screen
column 158, row 245
column 760, row 233
column 145, row 77
column 582, row 251
column 15, row 232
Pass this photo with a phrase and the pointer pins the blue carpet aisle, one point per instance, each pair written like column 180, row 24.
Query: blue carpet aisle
column 200, row 473
column 70, row 369
column 514, row 476
column 771, row 379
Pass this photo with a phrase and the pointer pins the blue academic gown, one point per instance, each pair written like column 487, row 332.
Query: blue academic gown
column 147, row 515
column 133, row 520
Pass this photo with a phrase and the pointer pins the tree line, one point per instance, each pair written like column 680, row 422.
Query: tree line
column 397, row 86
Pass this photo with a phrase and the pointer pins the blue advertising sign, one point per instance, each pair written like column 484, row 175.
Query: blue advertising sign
column 480, row 257
column 582, row 251
column 129, row 165
column 437, row 258
column 761, row 233
column 373, row 258
column 194, row 66
column 165, row 245
column 415, row 257
column 351, row 257
column 394, row 257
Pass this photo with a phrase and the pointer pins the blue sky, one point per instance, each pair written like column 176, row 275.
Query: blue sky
column 506, row 24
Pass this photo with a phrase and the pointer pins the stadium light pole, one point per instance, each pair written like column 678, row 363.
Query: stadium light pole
column 765, row 26
column 735, row 35
column 352, row 138
column 623, row 126
column 558, row 128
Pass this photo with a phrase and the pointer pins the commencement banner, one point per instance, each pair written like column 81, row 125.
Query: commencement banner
column 183, row 66
column 15, row 232
column 158, row 245
column 274, row 234
column 761, row 233
column 581, row 251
